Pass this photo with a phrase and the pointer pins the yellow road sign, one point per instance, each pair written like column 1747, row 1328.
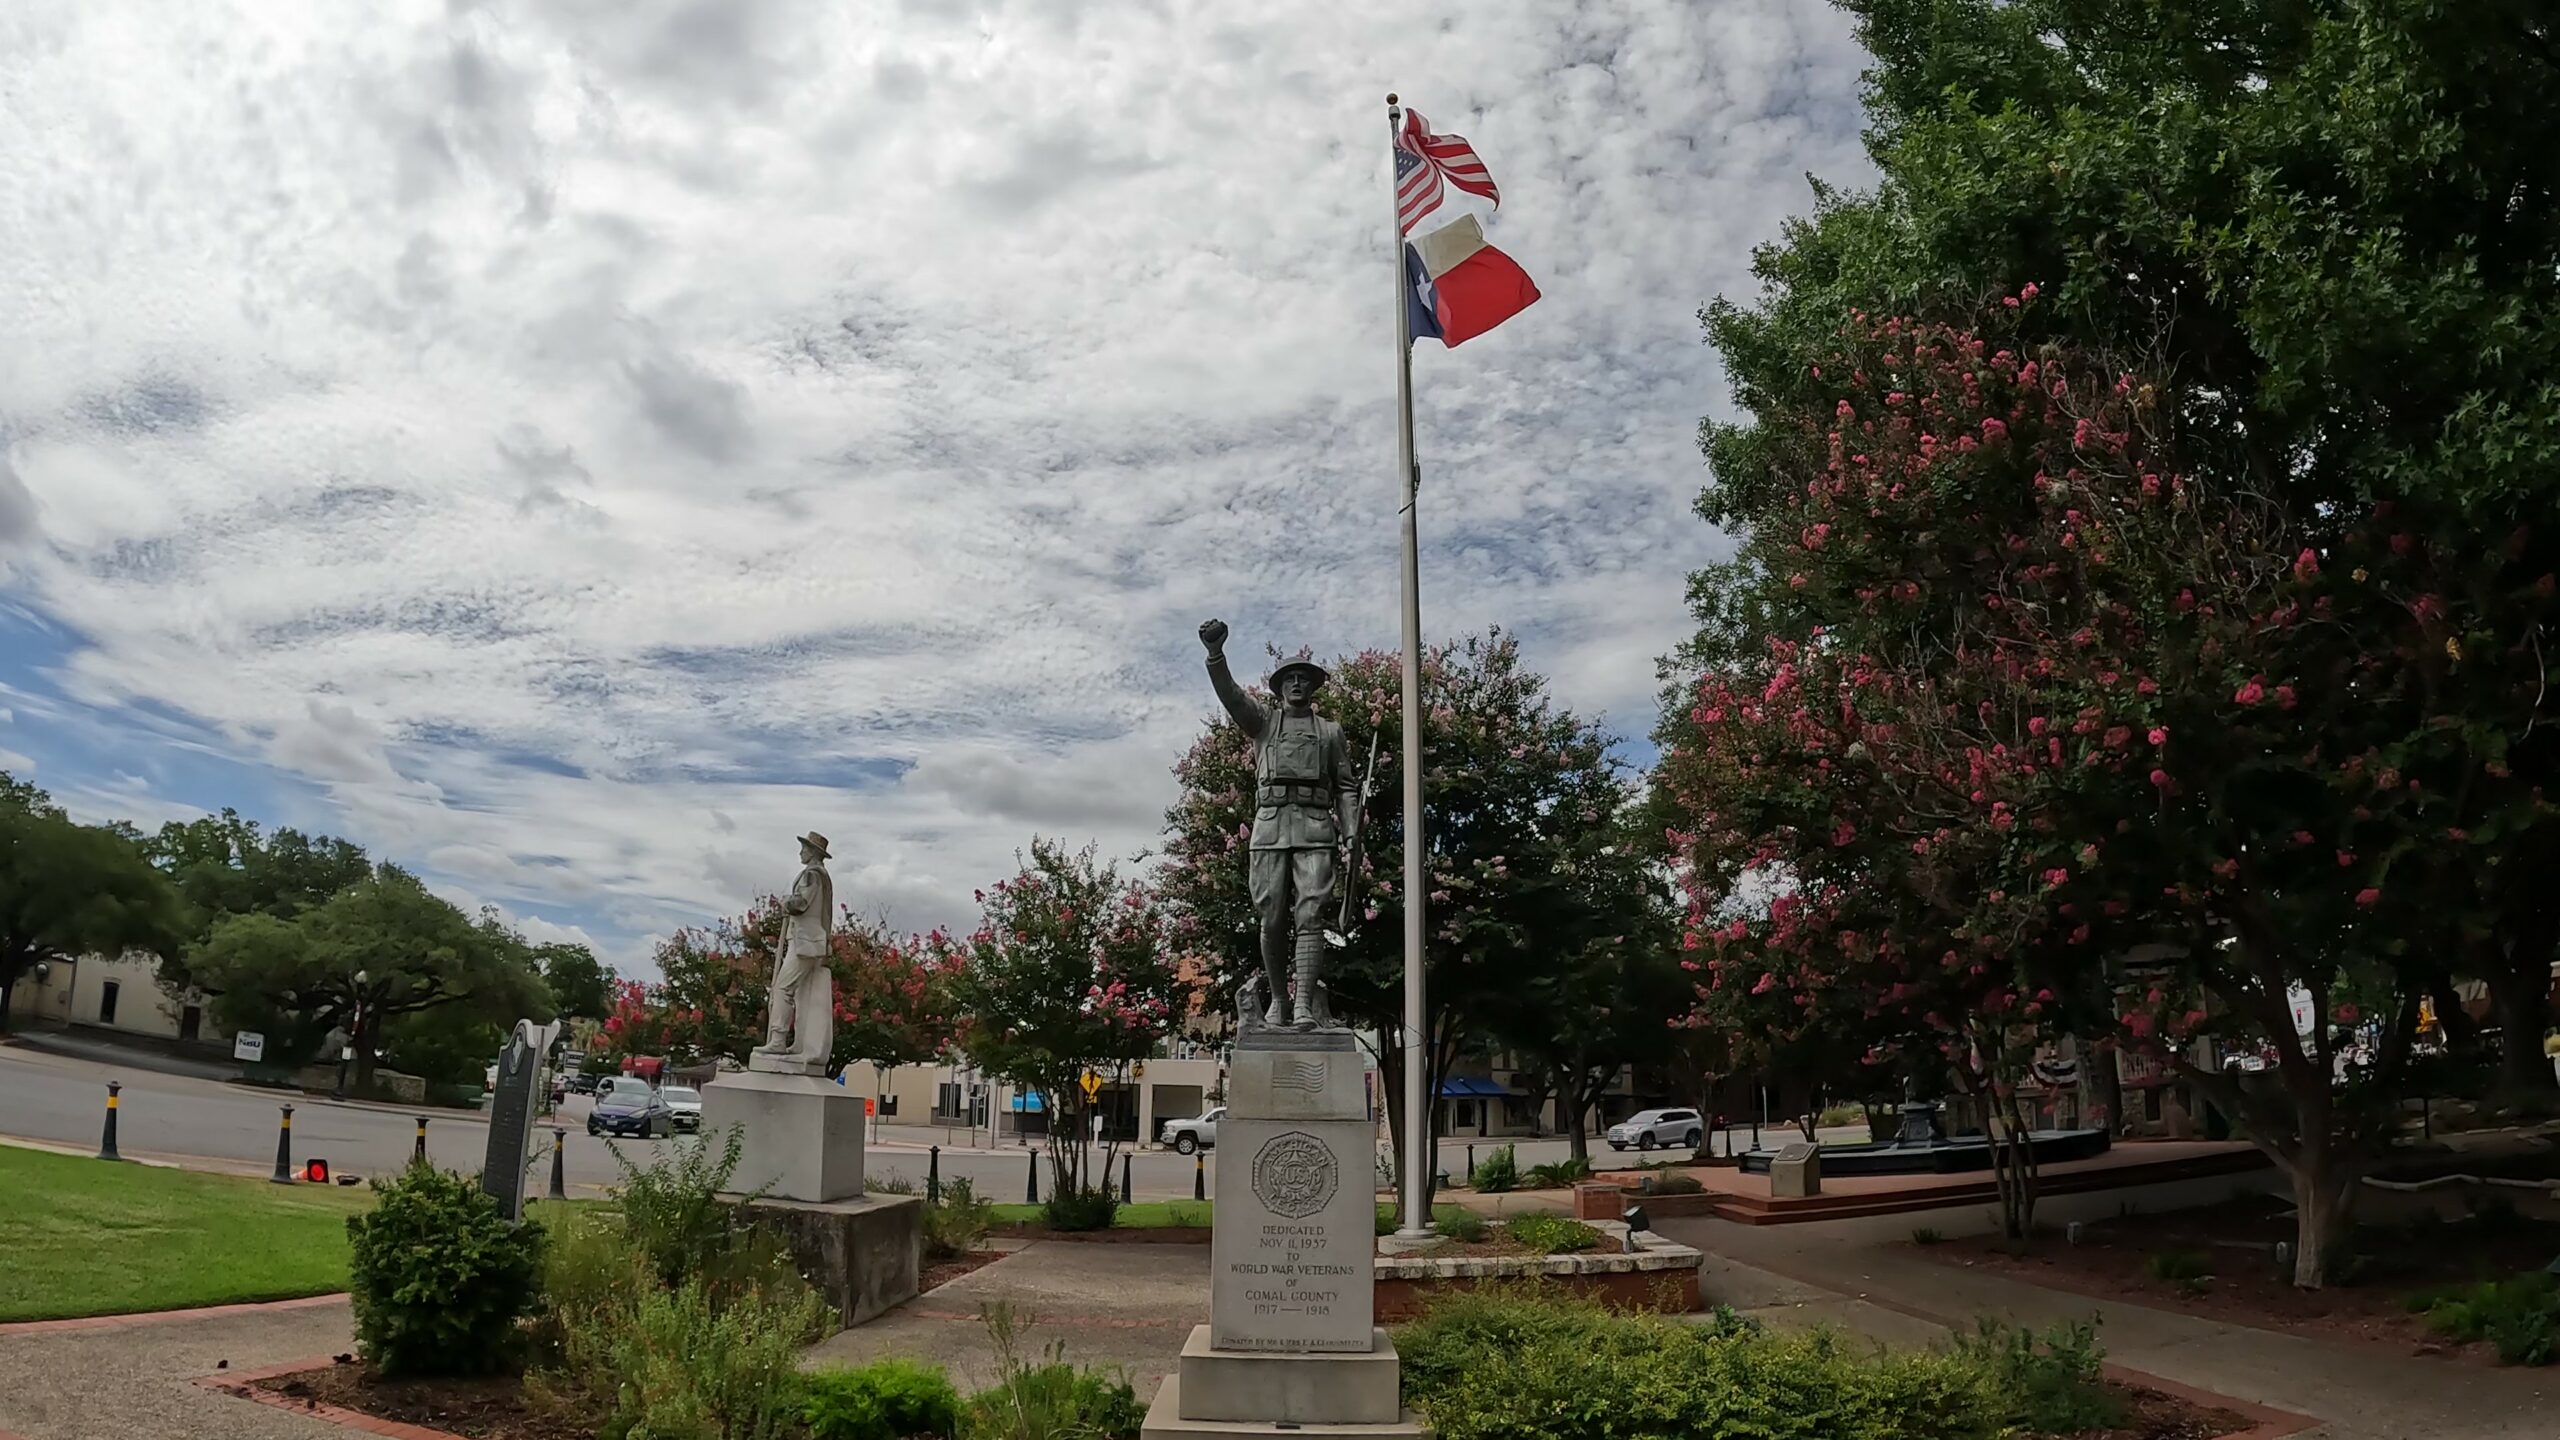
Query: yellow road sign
column 1092, row 1085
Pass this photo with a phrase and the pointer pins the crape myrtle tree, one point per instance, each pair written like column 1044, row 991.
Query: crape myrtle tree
column 1071, row 969
column 1521, row 799
column 893, row 1003
column 2329, row 236
column 2028, row 694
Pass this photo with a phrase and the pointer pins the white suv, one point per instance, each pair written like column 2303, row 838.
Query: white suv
column 1191, row 1136
column 1646, row 1129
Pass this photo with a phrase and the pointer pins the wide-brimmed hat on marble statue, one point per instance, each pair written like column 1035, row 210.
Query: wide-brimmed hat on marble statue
column 813, row 838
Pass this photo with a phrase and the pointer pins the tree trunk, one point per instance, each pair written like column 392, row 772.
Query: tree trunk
column 8, row 986
column 2323, row 1206
column 1577, row 1141
column 2521, row 997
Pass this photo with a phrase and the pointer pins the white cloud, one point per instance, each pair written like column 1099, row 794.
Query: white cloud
column 594, row 444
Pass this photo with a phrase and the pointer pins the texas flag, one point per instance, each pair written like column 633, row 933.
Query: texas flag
column 1458, row 287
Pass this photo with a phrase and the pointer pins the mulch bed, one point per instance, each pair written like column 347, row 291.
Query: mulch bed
column 2151, row 1415
column 493, row 1407
column 2238, row 1239
column 943, row 1272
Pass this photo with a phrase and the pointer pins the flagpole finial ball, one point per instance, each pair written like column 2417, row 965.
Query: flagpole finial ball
column 1391, row 98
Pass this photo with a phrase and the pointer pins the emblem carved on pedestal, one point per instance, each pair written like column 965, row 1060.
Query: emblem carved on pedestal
column 1294, row 1174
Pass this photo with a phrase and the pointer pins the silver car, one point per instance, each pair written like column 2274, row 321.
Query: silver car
column 685, row 1104
column 1648, row 1129
column 1189, row 1137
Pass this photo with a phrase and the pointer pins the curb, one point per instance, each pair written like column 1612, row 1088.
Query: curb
column 151, row 1317
column 242, row 1385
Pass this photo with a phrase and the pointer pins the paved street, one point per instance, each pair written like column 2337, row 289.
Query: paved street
column 211, row 1123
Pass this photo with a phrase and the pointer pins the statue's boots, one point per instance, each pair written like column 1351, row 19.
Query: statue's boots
column 1277, row 1016
column 1314, row 1013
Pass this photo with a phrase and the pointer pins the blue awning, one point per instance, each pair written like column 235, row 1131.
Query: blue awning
column 1025, row 1100
column 1467, row 1087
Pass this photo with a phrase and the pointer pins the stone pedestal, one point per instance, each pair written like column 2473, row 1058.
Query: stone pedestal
column 865, row 1255
column 1796, row 1173
column 1290, row 1345
column 803, row 1133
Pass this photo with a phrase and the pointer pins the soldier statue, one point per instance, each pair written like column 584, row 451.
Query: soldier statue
column 800, row 1018
column 1303, row 794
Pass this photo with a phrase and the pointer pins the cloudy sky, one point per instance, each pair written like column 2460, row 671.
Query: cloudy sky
column 571, row 447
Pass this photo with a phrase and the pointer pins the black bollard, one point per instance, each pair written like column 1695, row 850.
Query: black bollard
column 284, row 1147
column 1199, row 1176
column 559, row 1165
column 419, row 1155
column 1471, row 1163
column 1125, row 1158
column 933, row 1175
column 107, row 1141
column 1031, row 1181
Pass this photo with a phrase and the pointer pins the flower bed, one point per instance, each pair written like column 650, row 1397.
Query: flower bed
column 1658, row 1275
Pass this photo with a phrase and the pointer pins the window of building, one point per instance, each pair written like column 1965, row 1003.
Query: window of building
column 107, row 1002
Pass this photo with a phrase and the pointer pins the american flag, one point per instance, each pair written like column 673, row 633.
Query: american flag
column 1423, row 160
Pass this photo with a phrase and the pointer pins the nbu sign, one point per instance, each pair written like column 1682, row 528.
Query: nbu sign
column 249, row 1045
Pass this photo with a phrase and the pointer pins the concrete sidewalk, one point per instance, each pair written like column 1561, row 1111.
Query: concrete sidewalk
column 136, row 1377
column 1867, row 1276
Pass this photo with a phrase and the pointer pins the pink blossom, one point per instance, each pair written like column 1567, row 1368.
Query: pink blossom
column 2368, row 896
column 2305, row 565
column 2249, row 694
column 2057, row 877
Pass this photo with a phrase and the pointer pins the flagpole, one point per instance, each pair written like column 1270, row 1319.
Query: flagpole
column 1419, row 1146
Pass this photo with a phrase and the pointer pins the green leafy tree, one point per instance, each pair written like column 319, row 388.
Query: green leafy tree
column 68, row 890
column 377, row 951
column 223, row 865
column 581, row 986
column 1071, row 969
column 1517, row 790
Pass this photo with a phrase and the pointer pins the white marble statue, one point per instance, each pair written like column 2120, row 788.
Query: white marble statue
column 800, row 1019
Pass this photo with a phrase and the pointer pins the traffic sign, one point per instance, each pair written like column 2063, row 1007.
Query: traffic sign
column 1092, row 1086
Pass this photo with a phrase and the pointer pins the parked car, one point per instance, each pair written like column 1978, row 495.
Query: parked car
column 1193, row 1135
column 1647, row 1129
column 640, row 1112
column 685, row 1104
column 617, row 1084
column 583, row 1084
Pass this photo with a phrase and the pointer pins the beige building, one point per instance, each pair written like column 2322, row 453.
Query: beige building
column 954, row 1096
column 122, row 993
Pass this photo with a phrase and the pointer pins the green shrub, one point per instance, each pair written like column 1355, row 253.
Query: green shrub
column 958, row 1223
column 2178, row 1267
column 671, row 1207
column 1497, row 1172
column 885, row 1400
column 2520, row 1316
column 1080, row 1210
column 1926, row 1235
column 892, row 1183
column 1464, row 1226
column 1497, row 1365
column 1050, row 1399
column 1557, row 1174
column 2052, row 1382
column 1551, row 1234
column 438, row 1276
column 692, row 1365
column 1677, row 1185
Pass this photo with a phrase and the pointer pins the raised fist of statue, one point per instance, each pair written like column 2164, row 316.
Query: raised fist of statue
column 1213, row 634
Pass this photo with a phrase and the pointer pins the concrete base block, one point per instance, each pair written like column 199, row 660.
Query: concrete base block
column 803, row 1134
column 1165, row 1422
column 865, row 1256
column 1335, row 1389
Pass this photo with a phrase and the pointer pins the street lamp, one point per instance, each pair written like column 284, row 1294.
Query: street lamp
column 355, row 1036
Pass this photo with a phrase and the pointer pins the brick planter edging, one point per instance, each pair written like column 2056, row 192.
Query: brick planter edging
column 243, row 1384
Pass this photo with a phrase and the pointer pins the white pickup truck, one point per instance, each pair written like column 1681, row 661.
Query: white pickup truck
column 1191, row 1136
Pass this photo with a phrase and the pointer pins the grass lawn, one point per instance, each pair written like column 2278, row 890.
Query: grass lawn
column 85, row 1237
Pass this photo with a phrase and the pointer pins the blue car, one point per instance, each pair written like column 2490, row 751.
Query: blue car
column 631, row 1110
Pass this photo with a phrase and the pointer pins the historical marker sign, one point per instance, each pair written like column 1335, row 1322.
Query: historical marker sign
column 502, row 1169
